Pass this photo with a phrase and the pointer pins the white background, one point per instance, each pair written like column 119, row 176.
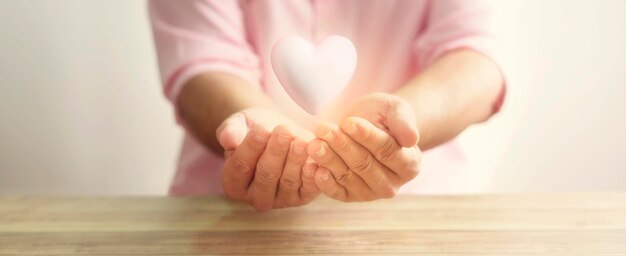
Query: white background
column 81, row 111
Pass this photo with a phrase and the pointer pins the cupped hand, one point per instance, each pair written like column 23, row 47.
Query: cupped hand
column 373, row 152
column 266, row 162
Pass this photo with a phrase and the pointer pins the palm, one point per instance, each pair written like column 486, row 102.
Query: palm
column 234, row 129
column 265, row 160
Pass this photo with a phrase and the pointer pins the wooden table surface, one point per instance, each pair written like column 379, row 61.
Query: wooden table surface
column 535, row 224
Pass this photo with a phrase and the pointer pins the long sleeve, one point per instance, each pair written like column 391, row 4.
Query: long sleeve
column 453, row 24
column 196, row 36
column 459, row 24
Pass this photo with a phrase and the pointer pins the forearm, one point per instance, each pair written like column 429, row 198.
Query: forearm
column 456, row 91
column 208, row 99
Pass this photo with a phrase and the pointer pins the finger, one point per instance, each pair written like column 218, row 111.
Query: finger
column 232, row 131
column 228, row 153
column 269, row 169
column 308, row 190
column 290, row 179
column 329, row 186
column 358, row 159
column 402, row 125
column 239, row 168
column 402, row 161
column 324, row 156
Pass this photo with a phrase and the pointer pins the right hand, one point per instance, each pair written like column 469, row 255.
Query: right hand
column 266, row 161
column 371, row 154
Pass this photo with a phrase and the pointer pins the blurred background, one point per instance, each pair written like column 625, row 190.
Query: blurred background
column 81, row 110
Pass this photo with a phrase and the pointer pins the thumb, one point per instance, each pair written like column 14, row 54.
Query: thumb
column 402, row 126
column 232, row 131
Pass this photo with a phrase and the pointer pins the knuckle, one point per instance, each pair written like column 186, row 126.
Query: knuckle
column 344, row 178
column 270, row 164
column 305, row 199
column 239, row 163
column 338, row 194
column 295, row 159
column 364, row 165
column 290, row 183
column 308, row 193
column 367, row 137
column 387, row 152
column 265, row 174
column 328, row 157
column 255, row 147
column 342, row 143
column 276, row 150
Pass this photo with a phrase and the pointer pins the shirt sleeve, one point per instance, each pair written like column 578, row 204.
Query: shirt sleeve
column 458, row 24
column 196, row 36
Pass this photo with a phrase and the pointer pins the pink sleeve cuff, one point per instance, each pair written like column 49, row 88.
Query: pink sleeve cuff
column 459, row 24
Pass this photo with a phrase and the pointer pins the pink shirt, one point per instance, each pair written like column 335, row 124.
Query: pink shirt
column 395, row 40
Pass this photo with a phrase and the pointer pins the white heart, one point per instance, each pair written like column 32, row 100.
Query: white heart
column 313, row 75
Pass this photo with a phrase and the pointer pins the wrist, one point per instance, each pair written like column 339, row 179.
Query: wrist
column 209, row 99
column 426, row 106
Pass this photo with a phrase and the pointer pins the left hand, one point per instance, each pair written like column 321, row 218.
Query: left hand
column 372, row 154
column 265, row 160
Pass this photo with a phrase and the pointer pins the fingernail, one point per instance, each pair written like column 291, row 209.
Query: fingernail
column 282, row 139
column 298, row 148
column 328, row 136
column 321, row 151
column 325, row 177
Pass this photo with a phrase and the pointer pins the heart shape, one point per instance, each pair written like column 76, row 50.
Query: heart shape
column 313, row 75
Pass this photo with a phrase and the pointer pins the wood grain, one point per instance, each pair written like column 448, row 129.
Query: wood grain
column 528, row 224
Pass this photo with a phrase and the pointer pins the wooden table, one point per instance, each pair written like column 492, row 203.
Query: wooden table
column 538, row 224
